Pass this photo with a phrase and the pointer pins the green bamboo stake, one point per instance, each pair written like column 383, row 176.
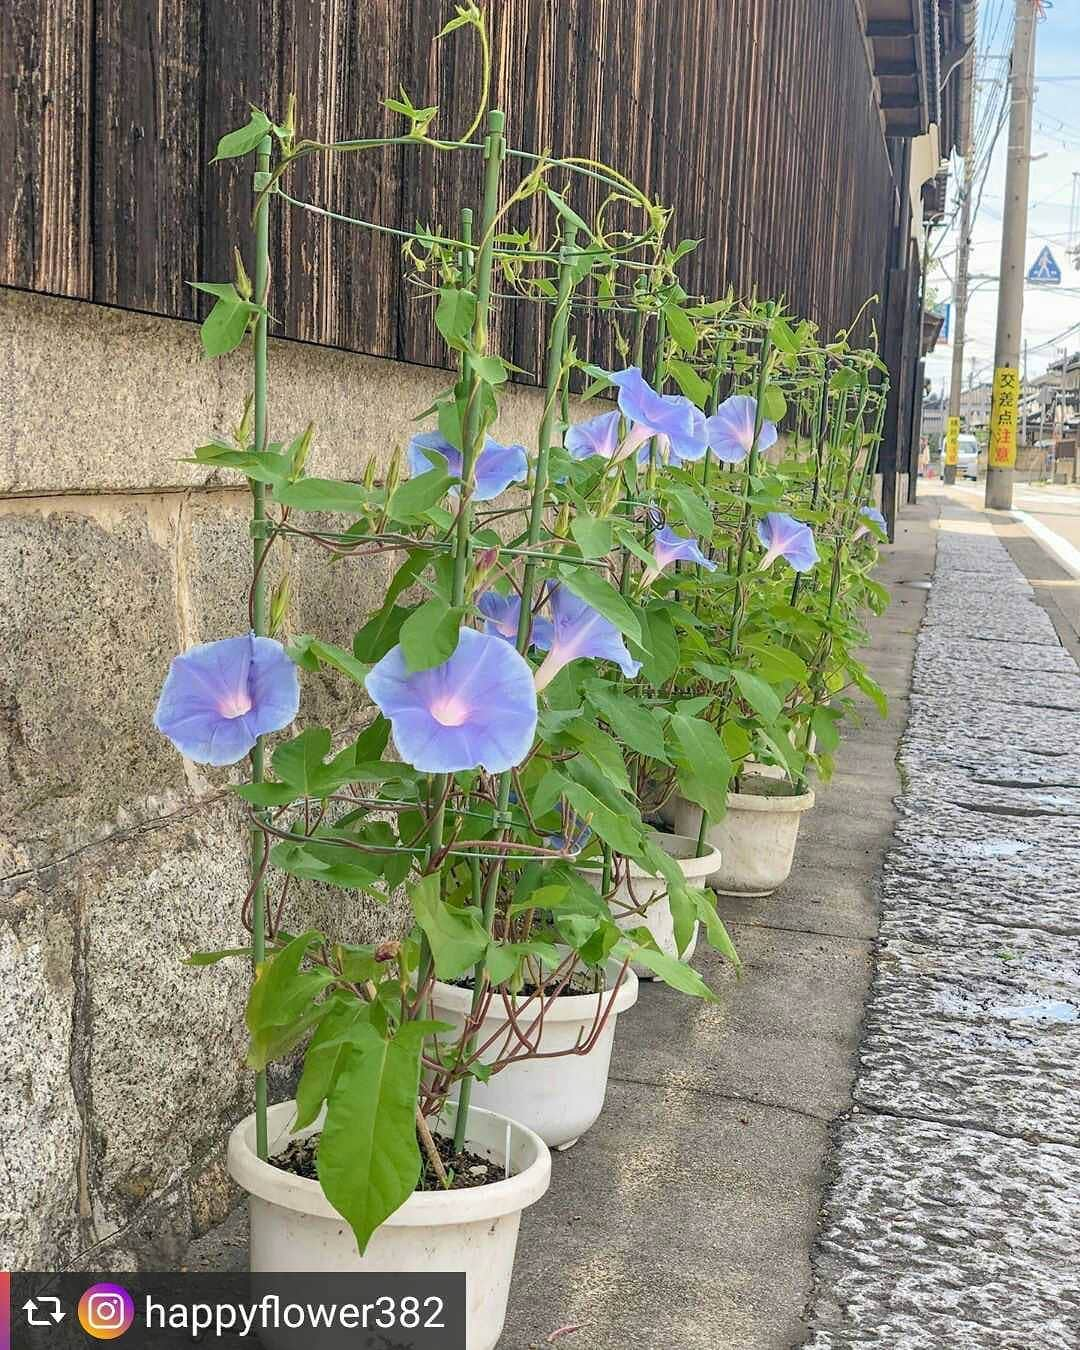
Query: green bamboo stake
column 494, row 152
column 554, row 377
column 739, row 604
column 258, row 590
column 438, row 824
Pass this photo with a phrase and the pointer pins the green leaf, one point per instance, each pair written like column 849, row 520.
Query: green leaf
column 212, row 958
column 380, row 633
column 761, row 696
column 780, row 660
column 680, row 329
column 322, row 1061
column 693, row 509
column 455, row 315
column 823, row 723
column 567, row 212
column 266, row 794
column 325, row 862
column 490, row 369
column 282, row 1005
column 457, row 937
column 369, row 1159
column 325, row 494
column 618, row 831
column 265, row 467
column 592, row 535
column 223, row 329
column 605, row 753
column 503, row 959
column 671, row 970
column 634, row 725
column 429, row 636
column 707, row 769
column 587, row 584
column 244, row 139
column 773, row 403
column 412, row 498
column 309, row 653
column 661, row 660
column 689, row 381
column 717, row 934
column 870, row 688
column 299, row 762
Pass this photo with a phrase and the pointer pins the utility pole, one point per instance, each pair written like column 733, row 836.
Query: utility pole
column 960, row 301
column 960, row 289
column 1001, row 457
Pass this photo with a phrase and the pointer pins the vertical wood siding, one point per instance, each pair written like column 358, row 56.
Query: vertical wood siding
column 754, row 119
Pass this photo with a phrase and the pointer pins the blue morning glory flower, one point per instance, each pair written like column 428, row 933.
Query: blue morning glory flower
column 598, row 436
column 581, row 630
column 497, row 466
column 731, row 429
column 668, row 548
column 671, row 417
column 476, row 710
column 870, row 513
column 501, row 614
column 783, row 536
column 219, row 698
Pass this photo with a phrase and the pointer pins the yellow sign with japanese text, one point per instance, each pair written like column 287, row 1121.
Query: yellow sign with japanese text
column 952, row 439
column 1004, row 410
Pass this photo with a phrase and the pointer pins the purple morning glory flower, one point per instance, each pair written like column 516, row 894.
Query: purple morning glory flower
column 731, row 429
column 785, row 537
column 501, row 614
column 581, row 630
column 869, row 513
column 220, row 697
column 476, row 710
column 668, row 548
column 597, row 436
column 671, row 417
column 497, row 466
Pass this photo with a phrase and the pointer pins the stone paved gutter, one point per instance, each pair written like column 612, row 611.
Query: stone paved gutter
column 953, row 1213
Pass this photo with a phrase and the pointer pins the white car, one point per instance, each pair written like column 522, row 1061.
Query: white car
column 967, row 457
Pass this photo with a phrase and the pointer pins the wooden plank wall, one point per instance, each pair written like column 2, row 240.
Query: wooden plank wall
column 754, row 119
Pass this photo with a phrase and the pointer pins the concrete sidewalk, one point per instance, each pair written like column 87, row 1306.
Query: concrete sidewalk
column 685, row 1219
column 953, row 1214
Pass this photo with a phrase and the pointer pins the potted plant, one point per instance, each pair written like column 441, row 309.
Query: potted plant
column 385, row 1160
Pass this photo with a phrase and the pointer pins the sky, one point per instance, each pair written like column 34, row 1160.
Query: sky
column 1055, row 148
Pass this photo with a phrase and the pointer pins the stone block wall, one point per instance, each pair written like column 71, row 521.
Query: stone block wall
column 123, row 1069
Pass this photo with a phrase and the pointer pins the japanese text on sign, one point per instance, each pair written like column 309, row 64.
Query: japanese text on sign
column 1003, row 418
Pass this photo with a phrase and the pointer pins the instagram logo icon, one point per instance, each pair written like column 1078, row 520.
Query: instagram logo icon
column 106, row 1311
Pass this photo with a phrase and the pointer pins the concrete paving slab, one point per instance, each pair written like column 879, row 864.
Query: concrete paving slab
column 950, row 1217
column 940, row 1237
column 1007, row 655
column 679, row 1223
column 781, row 1034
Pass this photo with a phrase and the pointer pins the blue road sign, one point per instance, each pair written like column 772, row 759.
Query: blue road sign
column 1044, row 270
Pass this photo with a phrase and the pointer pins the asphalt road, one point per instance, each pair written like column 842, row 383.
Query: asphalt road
column 1056, row 509
column 1042, row 532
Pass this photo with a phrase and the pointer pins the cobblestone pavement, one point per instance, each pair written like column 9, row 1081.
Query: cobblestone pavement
column 953, row 1213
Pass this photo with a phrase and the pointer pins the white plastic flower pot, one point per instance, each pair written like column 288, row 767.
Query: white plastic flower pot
column 557, row 1098
column 643, row 890
column 756, row 839
column 295, row 1228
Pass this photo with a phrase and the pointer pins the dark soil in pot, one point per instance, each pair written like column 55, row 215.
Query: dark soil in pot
column 467, row 1170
